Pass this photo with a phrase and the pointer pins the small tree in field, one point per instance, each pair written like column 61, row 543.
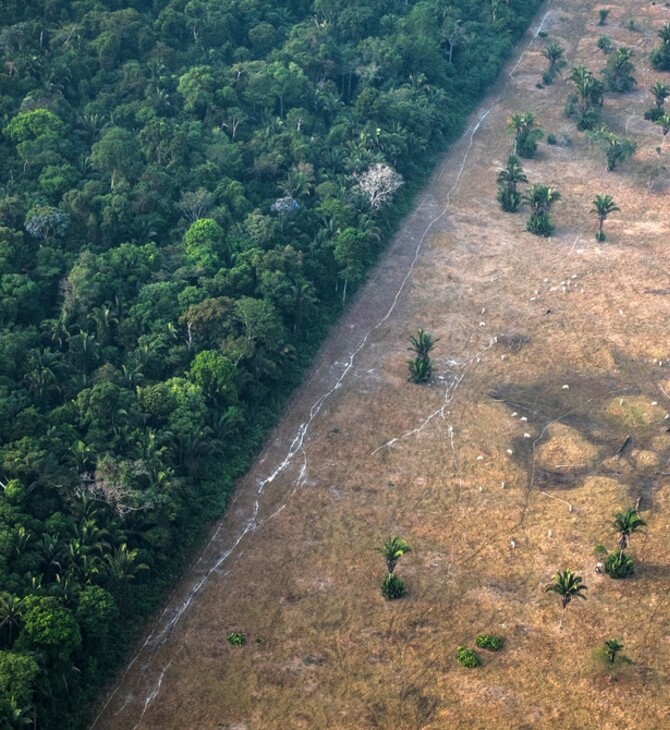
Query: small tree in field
column 618, row 74
column 660, row 55
column 626, row 523
column 554, row 53
column 526, row 134
column 540, row 198
column 421, row 367
column 568, row 586
column 603, row 205
column 392, row 549
column 508, row 178
column 617, row 149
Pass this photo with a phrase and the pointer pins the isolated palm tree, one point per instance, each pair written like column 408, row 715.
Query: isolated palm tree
column 422, row 344
column 603, row 205
column 508, row 179
column 626, row 523
column 660, row 92
column 393, row 549
column 554, row 53
column 664, row 123
column 540, row 198
column 568, row 586
column 519, row 124
column 612, row 647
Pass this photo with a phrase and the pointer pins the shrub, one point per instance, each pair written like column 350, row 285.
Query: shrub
column 543, row 34
column 509, row 200
column 420, row 369
column 618, row 565
column 467, row 657
column 540, row 224
column 602, row 16
column 551, row 139
column 393, row 587
column 237, row 639
column 489, row 641
column 656, row 112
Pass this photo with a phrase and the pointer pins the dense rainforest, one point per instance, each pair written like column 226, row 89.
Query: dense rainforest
column 187, row 189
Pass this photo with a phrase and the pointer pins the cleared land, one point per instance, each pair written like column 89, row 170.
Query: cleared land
column 551, row 352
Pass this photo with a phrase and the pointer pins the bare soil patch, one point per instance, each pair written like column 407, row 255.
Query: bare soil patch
column 499, row 473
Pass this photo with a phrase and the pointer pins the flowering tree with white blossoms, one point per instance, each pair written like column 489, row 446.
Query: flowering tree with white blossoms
column 378, row 183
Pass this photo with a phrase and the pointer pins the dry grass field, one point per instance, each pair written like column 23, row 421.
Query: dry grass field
column 499, row 473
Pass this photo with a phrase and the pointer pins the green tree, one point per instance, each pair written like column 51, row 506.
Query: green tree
column 555, row 54
column 625, row 524
column 205, row 244
column 603, row 206
column 392, row 550
column 618, row 73
column 660, row 55
column 47, row 624
column 350, row 252
column 660, row 92
column 540, row 198
column 567, row 586
column 605, row 44
column 526, row 134
column 508, row 179
column 118, row 155
column 584, row 106
column 11, row 615
column 617, row 148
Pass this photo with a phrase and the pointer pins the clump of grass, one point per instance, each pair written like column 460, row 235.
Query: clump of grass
column 467, row 657
column 489, row 641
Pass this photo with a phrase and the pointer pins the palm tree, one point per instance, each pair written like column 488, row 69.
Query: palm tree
column 626, row 523
column 526, row 134
column 660, row 92
column 554, row 53
column 393, row 549
column 612, row 647
column 422, row 344
column 11, row 614
column 540, row 198
column 603, row 205
column 508, row 178
column 568, row 586
column 664, row 123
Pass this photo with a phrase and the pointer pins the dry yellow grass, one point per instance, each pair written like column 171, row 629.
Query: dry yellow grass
column 500, row 473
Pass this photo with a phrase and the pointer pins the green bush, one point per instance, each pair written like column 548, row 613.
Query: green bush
column 420, row 369
column 237, row 639
column 467, row 657
column 489, row 641
column 551, row 139
column 540, row 224
column 618, row 565
column 393, row 587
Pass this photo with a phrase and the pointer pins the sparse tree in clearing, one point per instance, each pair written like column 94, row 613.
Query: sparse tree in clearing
column 584, row 106
column 526, row 134
column 660, row 55
column 508, row 178
column 540, row 198
column 617, row 149
column 568, row 586
column 612, row 647
column 603, row 205
column 605, row 44
column 602, row 16
column 626, row 523
column 392, row 550
column 618, row 74
column 378, row 183
column 554, row 53
column 664, row 123
column 421, row 367
column 661, row 93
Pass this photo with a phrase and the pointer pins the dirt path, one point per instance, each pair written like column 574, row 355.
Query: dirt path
column 551, row 352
